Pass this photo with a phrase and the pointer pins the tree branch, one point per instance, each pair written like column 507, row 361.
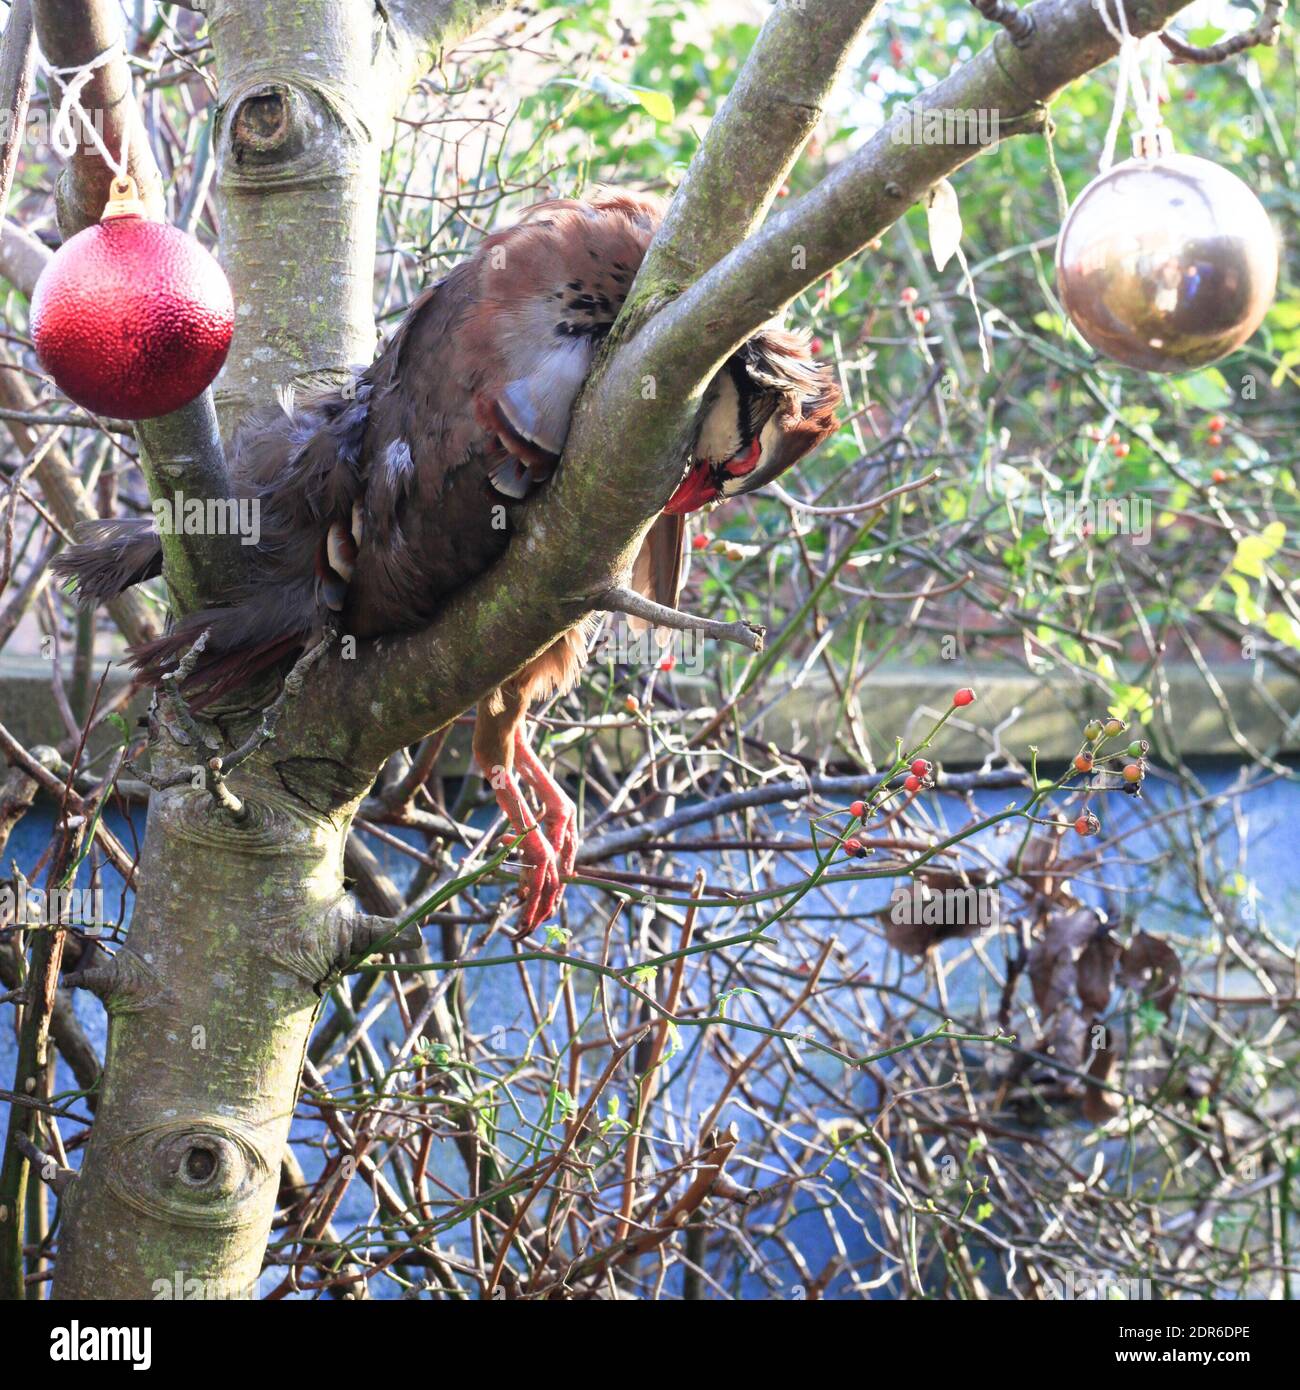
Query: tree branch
column 620, row 600
column 626, row 445
column 756, row 137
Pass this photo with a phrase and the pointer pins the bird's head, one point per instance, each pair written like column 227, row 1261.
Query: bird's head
column 769, row 406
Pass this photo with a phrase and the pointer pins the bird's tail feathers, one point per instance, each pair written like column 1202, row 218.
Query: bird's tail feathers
column 109, row 557
column 244, row 641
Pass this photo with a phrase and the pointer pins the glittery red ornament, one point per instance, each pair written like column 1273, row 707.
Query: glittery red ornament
column 132, row 318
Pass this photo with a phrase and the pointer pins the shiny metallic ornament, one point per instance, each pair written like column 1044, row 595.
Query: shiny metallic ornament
column 1166, row 262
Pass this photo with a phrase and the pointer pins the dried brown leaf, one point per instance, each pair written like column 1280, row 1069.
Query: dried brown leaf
column 1150, row 964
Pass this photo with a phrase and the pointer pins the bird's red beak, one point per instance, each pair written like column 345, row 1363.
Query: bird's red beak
column 696, row 490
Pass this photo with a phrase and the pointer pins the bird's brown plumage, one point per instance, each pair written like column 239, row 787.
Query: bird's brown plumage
column 379, row 500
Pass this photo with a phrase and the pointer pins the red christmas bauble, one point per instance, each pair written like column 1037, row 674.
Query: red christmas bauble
column 132, row 318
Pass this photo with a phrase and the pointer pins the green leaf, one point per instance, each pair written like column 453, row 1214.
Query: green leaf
column 1283, row 627
column 623, row 94
column 1207, row 389
column 657, row 104
column 1253, row 551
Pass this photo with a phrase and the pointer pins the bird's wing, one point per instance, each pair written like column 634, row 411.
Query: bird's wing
column 659, row 571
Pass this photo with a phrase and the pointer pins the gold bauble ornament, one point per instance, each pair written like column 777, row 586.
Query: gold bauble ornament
column 1166, row 262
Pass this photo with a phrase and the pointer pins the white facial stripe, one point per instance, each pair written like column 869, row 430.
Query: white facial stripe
column 720, row 436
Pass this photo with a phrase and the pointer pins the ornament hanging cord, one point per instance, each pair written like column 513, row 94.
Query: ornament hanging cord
column 1153, row 137
column 63, row 135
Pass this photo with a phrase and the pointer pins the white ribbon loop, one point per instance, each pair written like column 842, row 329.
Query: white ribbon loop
column 63, row 135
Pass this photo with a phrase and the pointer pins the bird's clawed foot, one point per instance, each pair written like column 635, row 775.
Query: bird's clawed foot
column 548, row 857
column 559, row 814
column 542, row 886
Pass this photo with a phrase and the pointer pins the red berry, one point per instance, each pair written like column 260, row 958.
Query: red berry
column 853, row 848
column 1112, row 440
column 1083, row 763
column 702, row 541
column 1121, row 451
column 816, row 346
column 857, row 810
column 668, row 662
column 1087, row 824
column 783, row 191
column 1218, row 476
column 1215, row 441
column 921, row 767
column 909, row 296
column 912, row 783
column 965, row 696
column 922, row 316
column 1217, row 422
column 896, row 51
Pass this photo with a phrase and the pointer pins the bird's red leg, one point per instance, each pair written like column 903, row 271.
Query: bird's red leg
column 497, row 732
column 559, row 814
column 542, row 886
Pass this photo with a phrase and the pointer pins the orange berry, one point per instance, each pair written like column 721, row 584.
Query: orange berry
column 1218, row 476
column 1121, row 451
column 1087, row 824
column 1133, row 772
column 1083, row 763
column 1217, row 422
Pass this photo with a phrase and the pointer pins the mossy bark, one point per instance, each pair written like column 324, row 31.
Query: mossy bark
column 210, row 1011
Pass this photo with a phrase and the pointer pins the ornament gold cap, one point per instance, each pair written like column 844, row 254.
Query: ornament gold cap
column 1155, row 142
column 123, row 200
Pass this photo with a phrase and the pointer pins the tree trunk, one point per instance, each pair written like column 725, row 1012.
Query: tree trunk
column 237, row 923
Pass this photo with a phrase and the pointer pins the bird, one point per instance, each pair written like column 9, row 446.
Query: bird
column 379, row 499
